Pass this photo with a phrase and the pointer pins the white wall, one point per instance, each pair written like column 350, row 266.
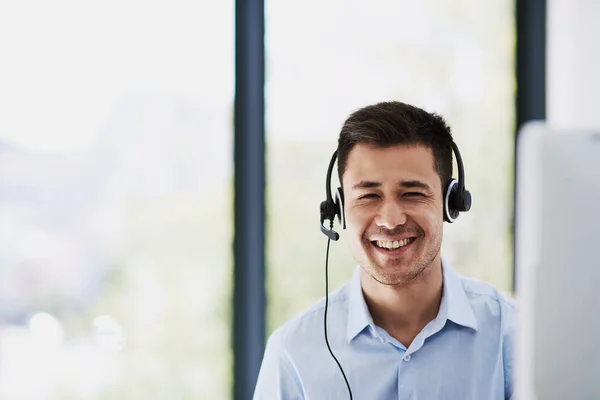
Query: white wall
column 573, row 63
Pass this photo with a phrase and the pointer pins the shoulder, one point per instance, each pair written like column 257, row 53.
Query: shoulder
column 493, row 309
column 302, row 327
column 484, row 295
column 496, row 314
column 291, row 344
column 290, row 348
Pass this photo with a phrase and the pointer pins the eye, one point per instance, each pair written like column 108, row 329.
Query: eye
column 368, row 196
column 414, row 194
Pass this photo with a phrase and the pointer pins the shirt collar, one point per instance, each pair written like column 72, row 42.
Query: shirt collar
column 455, row 305
column 359, row 316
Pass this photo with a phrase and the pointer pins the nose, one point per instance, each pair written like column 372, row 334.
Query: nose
column 390, row 215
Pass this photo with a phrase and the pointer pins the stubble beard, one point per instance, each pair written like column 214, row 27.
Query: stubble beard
column 407, row 274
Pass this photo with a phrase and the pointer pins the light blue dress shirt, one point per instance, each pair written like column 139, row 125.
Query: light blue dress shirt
column 465, row 353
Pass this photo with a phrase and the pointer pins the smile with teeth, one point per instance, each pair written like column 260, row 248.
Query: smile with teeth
column 391, row 245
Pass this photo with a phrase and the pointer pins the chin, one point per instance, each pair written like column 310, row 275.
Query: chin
column 395, row 271
column 394, row 275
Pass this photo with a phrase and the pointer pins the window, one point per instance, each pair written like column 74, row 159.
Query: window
column 115, row 159
column 327, row 59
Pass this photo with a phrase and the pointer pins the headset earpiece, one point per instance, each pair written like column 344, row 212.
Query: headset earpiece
column 457, row 198
column 450, row 210
column 455, row 201
column 464, row 202
column 328, row 210
column 331, row 207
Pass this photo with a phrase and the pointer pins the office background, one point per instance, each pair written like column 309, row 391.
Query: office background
column 161, row 168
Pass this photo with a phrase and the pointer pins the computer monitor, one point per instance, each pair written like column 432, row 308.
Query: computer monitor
column 557, row 244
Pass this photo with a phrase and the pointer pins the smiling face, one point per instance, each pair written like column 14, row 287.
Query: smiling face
column 393, row 210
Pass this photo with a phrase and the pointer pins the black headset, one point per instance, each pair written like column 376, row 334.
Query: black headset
column 457, row 199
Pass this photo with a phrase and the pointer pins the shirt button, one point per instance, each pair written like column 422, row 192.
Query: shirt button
column 407, row 357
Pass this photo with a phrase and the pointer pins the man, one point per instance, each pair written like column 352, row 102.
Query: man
column 406, row 326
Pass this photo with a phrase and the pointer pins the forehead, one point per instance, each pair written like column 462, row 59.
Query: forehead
column 390, row 164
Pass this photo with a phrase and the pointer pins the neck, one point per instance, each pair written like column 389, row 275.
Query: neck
column 404, row 310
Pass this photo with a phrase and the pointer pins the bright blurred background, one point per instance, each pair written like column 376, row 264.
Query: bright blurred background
column 115, row 199
column 116, row 173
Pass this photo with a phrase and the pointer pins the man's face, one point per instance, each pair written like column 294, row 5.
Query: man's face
column 393, row 210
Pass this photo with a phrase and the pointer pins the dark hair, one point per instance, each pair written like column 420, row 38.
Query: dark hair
column 394, row 123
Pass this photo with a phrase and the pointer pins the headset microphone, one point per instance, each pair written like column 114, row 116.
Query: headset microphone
column 330, row 233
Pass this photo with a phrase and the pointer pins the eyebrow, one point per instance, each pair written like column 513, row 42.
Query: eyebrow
column 366, row 185
column 404, row 184
column 415, row 184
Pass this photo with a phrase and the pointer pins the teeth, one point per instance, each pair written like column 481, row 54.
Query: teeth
column 392, row 245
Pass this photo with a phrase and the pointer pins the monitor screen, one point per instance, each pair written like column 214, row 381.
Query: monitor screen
column 557, row 245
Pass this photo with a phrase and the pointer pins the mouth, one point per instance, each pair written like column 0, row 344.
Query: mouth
column 393, row 247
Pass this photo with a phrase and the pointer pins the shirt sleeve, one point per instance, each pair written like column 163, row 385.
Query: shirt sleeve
column 277, row 379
